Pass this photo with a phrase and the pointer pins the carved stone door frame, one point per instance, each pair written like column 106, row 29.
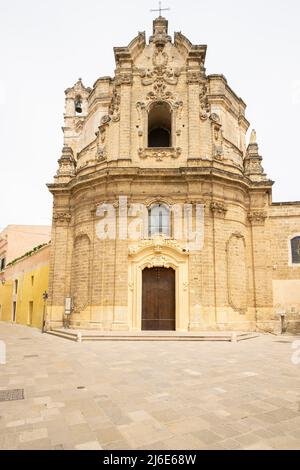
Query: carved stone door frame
column 152, row 254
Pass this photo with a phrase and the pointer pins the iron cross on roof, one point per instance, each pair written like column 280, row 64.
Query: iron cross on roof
column 160, row 9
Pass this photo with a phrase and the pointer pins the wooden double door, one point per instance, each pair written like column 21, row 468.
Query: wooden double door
column 158, row 299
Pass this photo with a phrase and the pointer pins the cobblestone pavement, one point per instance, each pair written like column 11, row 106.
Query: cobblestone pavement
column 148, row 395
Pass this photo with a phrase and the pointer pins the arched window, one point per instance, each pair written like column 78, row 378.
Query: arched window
column 78, row 105
column 159, row 220
column 160, row 125
column 295, row 250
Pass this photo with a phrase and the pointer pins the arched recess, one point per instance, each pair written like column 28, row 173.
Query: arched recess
column 163, row 253
column 80, row 276
column 237, row 275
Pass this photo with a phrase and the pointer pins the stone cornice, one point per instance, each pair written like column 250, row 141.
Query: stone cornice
column 175, row 174
column 228, row 88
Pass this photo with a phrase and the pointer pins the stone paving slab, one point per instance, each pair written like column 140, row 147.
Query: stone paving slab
column 148, row 395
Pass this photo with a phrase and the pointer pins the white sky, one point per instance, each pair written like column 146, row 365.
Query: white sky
column 46, row 45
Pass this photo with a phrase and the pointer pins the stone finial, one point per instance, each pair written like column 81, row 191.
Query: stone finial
column 253, row 161
column 67, row 165
column 160, row 32
column 253, row 137
column 160, row 26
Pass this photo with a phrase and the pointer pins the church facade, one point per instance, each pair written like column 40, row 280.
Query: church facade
column 163, row 216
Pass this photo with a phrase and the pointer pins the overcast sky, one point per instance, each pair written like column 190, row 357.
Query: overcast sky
column 45, row 46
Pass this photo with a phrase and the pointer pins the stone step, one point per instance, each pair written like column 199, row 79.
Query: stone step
column 114, row 336
column 60, row 334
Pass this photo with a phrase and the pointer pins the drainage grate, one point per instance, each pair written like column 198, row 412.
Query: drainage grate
column 23, row 339
column 30, row 355
column 12, row 395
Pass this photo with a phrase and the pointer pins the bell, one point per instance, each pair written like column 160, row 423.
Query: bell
column 78, row 107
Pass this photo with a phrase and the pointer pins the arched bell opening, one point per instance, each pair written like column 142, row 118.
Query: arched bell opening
column 160, row 125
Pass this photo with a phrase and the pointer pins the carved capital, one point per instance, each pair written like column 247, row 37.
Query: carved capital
column 194, row 77
column 124, row 79
column 218, row 209
column 257, row 217
column 61, row 217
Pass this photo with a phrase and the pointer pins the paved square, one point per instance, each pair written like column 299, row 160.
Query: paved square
column 149, row 395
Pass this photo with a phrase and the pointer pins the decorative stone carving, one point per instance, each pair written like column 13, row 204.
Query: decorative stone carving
column 160, row 92
column 105, row 119
column 124, row 79
column 157, row 262
column 217, row 136
column 218, row 208
column 61, row 217
column 114, row 107
column 178, row 105
column 257, row 217
column 215, row 118
column 160, row 153
column 204, row 104
column 160, row 70
column 101, row 137
column 158, row 243
column 193, row 77
column 140, row 106
column 101, row 154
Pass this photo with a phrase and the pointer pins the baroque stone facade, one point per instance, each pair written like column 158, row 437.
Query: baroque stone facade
column 162, row 132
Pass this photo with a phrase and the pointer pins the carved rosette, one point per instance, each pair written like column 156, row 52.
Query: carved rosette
column 218, row 209
column 257, row 217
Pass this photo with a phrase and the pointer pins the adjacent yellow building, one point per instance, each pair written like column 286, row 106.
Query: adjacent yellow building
column 22, row 286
